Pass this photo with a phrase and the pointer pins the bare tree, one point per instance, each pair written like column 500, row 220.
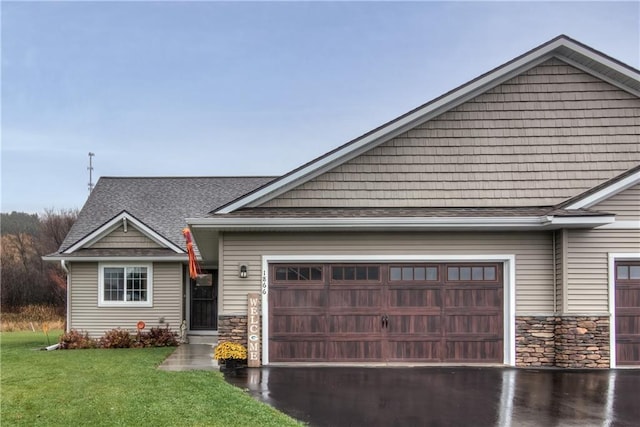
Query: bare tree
column 25, row 278
column 54, row 226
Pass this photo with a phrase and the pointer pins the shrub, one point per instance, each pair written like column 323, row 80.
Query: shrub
column 76, row 340
column 117, row 338
column 121, row 338
column 158, row 337
column 230, row 350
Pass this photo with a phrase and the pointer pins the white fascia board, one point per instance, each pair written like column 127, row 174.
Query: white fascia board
column 179, row 258
column 586, row 221
column 431, row 110
column 544, row 221
column 630, row 73
column 400, row 222
column 427, row 112
column 607, row 79
column 113, row 224
column 606, row 192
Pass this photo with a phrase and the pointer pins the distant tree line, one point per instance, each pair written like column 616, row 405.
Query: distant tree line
column 25, row 279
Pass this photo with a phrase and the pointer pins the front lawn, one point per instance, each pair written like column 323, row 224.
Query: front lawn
column 116, row 387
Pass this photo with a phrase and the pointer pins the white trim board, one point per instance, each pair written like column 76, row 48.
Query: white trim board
column 606, row 192
column 176, row 258
column 509, row 277
column 114, row 223
column 562, row 47
column 613, row 257
column 399, row 223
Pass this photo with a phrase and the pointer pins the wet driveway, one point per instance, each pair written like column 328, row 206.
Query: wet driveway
column 348, row 396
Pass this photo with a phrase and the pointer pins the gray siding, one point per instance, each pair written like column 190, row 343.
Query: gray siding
column 119, row 239
column 587, row 266
column 534, row 269
column 87, row 316
column 625, row 204
column 538, row 139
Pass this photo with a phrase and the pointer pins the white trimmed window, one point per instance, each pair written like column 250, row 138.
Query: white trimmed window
column 125, row 285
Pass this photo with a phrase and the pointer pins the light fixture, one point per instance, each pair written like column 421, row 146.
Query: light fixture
column 243, row 271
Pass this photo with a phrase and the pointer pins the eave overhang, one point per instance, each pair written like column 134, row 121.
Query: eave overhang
column 562, row 47
column 63, row 257
column 401, row 223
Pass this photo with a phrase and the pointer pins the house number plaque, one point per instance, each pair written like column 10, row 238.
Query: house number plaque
column 253, row 330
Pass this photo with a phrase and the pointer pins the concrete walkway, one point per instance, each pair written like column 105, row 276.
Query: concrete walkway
column 191, row 357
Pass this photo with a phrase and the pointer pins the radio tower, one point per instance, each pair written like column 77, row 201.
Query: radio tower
column 90, row 168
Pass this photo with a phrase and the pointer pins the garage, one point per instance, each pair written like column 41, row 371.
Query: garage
column 628, row 313
column 400, row 312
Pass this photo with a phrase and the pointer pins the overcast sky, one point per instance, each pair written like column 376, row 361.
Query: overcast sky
column 211, row 88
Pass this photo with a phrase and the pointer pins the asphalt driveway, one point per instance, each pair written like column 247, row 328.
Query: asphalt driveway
column 348, row 396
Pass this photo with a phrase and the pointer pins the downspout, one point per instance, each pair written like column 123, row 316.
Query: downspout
column 555, row 274
column 64, row 266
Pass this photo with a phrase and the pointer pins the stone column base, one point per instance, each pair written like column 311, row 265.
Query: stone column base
column 562, row 341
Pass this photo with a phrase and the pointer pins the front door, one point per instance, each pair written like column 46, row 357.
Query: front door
column 204, row 301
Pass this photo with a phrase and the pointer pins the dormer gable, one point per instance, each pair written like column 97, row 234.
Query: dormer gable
column 123, row 231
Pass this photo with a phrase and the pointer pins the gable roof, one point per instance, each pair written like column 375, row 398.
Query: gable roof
column 604, row 191
column 160, row 204
column 564, row 48
column 124, row 218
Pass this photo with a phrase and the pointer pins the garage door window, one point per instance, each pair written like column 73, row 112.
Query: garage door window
column 475, row 273
column 355, row 272
column 416, row 273
column 298, row 273
column 628, row 271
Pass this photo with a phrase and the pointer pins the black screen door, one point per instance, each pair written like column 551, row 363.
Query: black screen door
column 204, row 301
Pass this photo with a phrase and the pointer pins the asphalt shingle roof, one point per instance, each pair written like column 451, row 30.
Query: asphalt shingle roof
column 161, row 203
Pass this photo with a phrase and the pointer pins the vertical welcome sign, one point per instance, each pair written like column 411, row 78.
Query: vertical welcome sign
column 253, row 330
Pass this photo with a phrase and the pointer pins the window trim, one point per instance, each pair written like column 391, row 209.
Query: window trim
column 104, row 303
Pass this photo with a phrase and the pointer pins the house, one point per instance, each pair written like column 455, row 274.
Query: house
column 498, row 223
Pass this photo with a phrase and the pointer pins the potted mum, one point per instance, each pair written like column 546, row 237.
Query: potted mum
column 230, row 355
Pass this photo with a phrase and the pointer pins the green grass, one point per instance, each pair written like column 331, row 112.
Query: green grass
column 116, row 388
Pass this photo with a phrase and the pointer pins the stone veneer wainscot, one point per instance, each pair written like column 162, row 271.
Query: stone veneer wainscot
column 232, row 328
column 541, row 341
column 563, row 341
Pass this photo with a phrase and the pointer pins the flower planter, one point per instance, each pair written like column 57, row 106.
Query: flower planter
column 231, row 366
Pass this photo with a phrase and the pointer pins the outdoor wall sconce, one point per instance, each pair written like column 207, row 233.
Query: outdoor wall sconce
column 243, row 271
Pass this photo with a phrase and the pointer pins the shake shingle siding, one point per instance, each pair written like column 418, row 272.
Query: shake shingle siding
column 625, row 204
column 535, row 140
column 119, row 239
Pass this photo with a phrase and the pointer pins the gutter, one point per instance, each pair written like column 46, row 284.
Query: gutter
column 401, row 223
column 64, row 258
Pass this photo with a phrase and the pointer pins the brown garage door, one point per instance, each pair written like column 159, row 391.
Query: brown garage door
column 628, row 313
column 386, row 312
